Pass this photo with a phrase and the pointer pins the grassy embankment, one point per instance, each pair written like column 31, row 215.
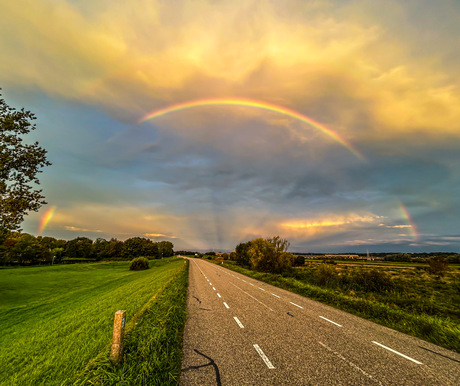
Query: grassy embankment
column 57, row 319
column 406, row 298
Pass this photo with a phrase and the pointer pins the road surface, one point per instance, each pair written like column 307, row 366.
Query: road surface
column 240, row 331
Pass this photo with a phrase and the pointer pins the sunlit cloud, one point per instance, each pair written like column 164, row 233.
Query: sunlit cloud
column 77, row 229
column 159, row 235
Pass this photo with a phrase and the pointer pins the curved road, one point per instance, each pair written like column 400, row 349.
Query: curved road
column 240, row 331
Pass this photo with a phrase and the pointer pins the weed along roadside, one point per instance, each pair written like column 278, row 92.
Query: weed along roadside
column 77, row 304
column 152, row 342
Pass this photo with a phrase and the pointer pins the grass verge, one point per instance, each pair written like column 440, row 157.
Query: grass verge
column 55, row 319
column 153, row 343
column 442, row 331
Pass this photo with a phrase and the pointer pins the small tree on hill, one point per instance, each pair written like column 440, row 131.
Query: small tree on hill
column 438, row 265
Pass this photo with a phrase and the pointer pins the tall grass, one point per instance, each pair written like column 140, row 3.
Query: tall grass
column 376, row 297
column 55, row 319
column 152, row 351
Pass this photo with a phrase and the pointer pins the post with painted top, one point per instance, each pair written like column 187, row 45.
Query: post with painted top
column 118, row 333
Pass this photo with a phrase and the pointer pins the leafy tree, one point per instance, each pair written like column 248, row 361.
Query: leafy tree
column 19, row 166
column 100, row 249
column 270, row 255
column 133, row 247
column 438, row 265
column 115, row 248
column 80, row 247
column 242, row 254
column 165, row 249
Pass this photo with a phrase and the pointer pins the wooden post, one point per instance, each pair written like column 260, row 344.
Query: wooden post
column 117, row 340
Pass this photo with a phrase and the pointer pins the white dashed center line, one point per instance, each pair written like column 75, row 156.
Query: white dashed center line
column 263, row 356
column 213, row 288
column 218, row 294
column 261, row 289
column 275, row 295
column 226, row 305
column 296, row 305
column 238, row 322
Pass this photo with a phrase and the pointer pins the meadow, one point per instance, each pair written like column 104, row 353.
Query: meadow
column 406, row 297
column 56, row 319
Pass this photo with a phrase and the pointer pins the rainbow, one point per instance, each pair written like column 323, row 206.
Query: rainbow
column 46, row 218
column 410, row 221
column 258, row 105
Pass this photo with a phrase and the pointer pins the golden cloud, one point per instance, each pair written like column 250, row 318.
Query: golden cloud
column 134, row 58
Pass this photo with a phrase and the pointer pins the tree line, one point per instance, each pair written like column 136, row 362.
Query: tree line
column 25, row 249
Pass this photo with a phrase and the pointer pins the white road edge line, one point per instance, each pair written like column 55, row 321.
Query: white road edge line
column 251, row 296
column 397, row 352
column 238, row 322
column 226, row 305
column 263, row 356
column 322, row 317
column 218, row 294
column 350, row 363
column 296, row 305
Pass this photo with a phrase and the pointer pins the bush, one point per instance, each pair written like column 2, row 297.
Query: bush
column 299, row 260
column 438, row 265
column 139, row 263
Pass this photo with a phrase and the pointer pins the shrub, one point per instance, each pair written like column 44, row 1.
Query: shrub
column 139, row 263
column 324, row 274
column 299, row 260
column 438, row 265
column 373, row 281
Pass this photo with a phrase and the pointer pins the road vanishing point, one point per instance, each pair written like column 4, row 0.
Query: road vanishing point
column 241, row 331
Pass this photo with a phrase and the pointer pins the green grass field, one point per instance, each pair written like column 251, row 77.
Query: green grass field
column 56, row 319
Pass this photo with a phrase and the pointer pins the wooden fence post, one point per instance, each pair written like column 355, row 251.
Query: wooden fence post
column 118, row 333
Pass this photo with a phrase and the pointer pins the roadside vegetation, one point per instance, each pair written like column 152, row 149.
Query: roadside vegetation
column 56, row 319
column 419, row 299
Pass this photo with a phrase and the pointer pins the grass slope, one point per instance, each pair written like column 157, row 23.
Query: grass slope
column 153, row 342
column 55, row 319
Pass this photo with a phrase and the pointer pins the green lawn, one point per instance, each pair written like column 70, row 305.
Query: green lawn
column 55, row 319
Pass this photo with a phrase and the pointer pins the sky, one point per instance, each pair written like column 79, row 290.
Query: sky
column 333, row 124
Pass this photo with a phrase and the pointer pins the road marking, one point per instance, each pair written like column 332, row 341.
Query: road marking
column 210, row 283
column 218, row 294
column 237, row 277
column 251, row 284
column 226, row 305
column 296, row 305
column 322, row 317
column 263, row 356
column 261, row 289
column 397, row 352
column 350, row 363
column 245, row 281
column 276, row 296
column 213, row 288
column 252, row 296
column 238, row 322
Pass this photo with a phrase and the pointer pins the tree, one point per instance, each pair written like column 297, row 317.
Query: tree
column 80, row 247
column 242, row 254
column 165, row 248
column 270, row 255
column 19, row 166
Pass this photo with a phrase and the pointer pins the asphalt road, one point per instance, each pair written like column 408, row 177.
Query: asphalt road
column 240, row 331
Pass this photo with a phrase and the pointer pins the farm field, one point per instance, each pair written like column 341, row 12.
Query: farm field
column 56, row 319
column 406, row 298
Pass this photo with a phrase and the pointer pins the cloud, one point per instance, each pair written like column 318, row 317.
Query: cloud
column 76, row 229
column 159, row 235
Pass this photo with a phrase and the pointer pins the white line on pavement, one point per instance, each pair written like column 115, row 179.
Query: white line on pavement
column 350, row 363
column 263, row 356
column 226, row 305
column 218, row 294
column 244, row 281
column 275, row 295
column 261, row 289
column 296, row 305
column 213, row 288
column 238, row 322
column 397, row 352
column 322, row 317
column 252, row 296
column 251, row 284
